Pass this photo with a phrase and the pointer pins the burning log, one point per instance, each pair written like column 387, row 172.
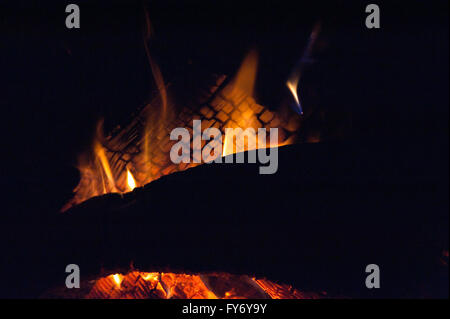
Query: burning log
column 142, row 147
column 307, row 225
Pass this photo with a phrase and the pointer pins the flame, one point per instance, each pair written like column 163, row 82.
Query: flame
column 292, row 85
column 117, row 279
column 143, row 145
column 130, row 181
column 143, row 285
column 226, row 146
column 150, row 276
column 161, row 115
column 294, row 79
column 242, row 85
column 246, row 76
column 249, row 121
column 101, row 158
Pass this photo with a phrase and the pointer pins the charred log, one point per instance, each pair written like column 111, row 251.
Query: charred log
column 330, row 210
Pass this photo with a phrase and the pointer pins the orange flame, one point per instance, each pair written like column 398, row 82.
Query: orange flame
column 246, row 76
column 101, row 157
column 144, row 149
column 248, row 122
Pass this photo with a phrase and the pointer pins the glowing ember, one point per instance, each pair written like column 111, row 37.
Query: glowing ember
column 155, row 285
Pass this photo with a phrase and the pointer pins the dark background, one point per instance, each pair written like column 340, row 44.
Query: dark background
column 391, row 84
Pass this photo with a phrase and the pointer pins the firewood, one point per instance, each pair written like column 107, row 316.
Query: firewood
column 315, row 224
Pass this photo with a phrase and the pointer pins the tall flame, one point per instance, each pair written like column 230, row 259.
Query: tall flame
column 294, row 79
column 246, row 76
column 102, row 159
column 243, row 85
column 292, row 85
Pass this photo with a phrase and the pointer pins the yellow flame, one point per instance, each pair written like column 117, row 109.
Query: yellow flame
column 117, row 279
column 130, row 181
column 225, row 148
column 292, row 84
column 152, row 276
column 101, row 155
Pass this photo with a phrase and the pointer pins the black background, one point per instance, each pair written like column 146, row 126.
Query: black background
column 56, row 83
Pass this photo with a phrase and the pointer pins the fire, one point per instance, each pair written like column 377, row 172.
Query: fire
column 130, row 181
column 156, row 285
column 242, row 85
column 292, row 85
column 143, row 145
column 294, row 79
column 117, row 279
column 101, row 156
column 226, row 145
column 249, row 121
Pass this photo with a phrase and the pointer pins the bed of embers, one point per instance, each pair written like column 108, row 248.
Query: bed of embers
column 159, row 285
